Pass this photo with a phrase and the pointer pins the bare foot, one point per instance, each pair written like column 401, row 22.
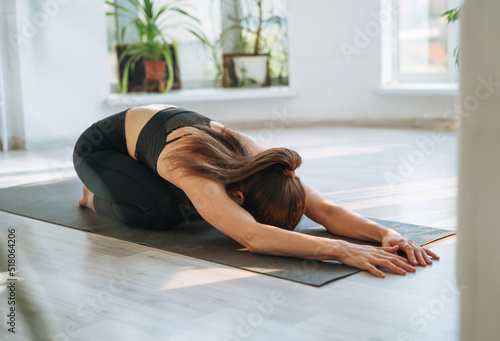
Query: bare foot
column 88, row 199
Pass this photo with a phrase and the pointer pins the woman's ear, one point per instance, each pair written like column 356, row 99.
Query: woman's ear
column 237, row 197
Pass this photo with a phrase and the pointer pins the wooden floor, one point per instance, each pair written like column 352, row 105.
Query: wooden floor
column 75, row 285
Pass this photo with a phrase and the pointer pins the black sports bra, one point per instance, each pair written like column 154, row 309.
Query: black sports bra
column 153, row 136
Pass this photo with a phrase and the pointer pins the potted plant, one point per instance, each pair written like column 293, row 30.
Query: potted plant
column 152, row 19
column 249, row 64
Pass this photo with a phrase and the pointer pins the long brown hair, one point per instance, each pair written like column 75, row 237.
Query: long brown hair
column 272, row 193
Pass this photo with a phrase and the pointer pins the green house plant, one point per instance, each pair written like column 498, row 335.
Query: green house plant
column 250, row 61
column 452, row 15
column 155, row 47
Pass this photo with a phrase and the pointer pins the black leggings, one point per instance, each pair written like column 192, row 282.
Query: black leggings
column 124, row 188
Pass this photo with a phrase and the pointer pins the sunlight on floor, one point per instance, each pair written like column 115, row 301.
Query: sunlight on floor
column 200, row 276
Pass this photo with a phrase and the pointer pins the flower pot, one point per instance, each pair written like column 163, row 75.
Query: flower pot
column 240, row 69
column 135, row 81
column 155, row 70
column 251, row 69
column 146, row 75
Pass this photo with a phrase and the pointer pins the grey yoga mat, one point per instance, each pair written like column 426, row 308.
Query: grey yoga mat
column 56, row 202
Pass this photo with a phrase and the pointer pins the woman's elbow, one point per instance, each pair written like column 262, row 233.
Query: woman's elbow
column 261, row 240
column 259, row 244
column 251, row 244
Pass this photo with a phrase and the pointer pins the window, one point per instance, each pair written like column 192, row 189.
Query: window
column 200, row 66
column 197, row 67
column 418, row 44
column 274, row 33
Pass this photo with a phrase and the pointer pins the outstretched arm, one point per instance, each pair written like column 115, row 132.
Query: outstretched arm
column 344, row 222
column 341, row 221
column 214, row 205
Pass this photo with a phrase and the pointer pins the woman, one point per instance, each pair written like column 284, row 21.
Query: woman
column 152, row 166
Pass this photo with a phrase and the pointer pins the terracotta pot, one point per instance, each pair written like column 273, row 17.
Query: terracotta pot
column 155, row 70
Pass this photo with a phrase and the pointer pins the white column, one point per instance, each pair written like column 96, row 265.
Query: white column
column 12, row 113
column 4, row 136
column 478, row 264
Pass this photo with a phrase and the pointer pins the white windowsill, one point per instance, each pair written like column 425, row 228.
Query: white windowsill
column 420, row 89
column 200, row 95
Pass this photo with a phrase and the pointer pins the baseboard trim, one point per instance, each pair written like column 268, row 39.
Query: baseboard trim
column 413, row 123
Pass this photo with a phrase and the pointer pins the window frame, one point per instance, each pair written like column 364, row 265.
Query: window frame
column 390, row 50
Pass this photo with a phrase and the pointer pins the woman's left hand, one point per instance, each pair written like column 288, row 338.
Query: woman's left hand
column 416, row 254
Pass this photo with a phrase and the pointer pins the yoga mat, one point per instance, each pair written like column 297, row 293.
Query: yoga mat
column 57, row 202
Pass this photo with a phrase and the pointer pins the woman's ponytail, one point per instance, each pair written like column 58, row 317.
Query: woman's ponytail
column 275, row 159
column 272, row 192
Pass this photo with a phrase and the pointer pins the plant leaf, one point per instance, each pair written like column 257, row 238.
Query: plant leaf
column 167, row 53
column 179, row 10
column 119, row 7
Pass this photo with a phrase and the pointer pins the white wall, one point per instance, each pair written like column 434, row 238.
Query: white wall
column 479, row 169
column 63, row 59
column 65, row 76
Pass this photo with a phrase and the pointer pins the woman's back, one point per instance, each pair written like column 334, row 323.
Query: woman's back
column 135, row 121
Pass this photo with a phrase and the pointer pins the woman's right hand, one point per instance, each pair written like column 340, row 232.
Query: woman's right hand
column 367, row 257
